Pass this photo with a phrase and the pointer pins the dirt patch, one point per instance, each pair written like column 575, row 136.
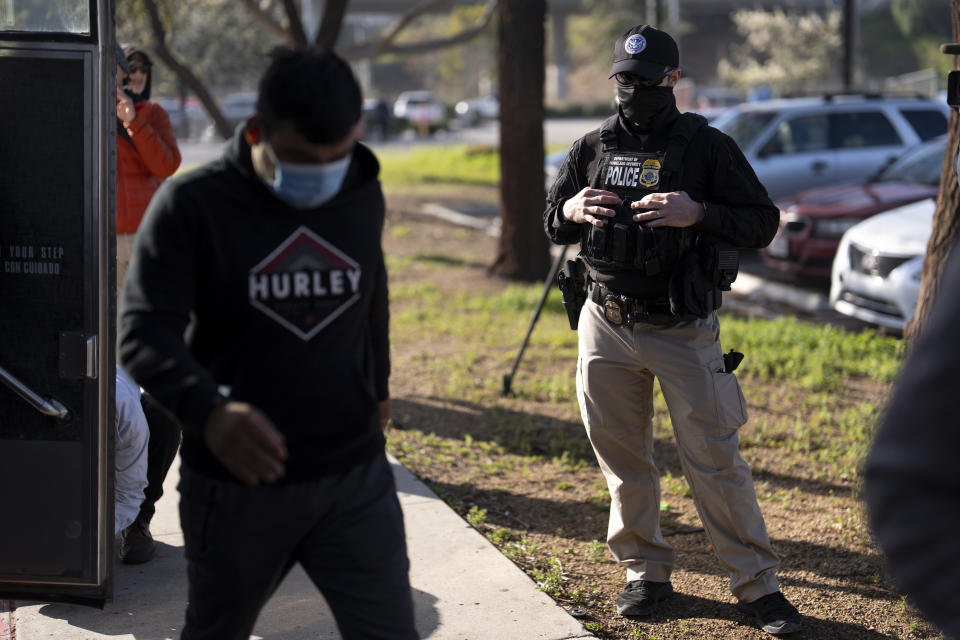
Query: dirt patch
column 521, row 471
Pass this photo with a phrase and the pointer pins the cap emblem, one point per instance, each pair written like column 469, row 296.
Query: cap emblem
column 635, row 44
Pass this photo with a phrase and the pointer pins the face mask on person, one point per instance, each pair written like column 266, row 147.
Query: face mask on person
column 640, row 105
column 306, row 186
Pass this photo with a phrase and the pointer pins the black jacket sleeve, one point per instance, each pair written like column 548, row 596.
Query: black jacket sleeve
column 571, row 178
column 737, row 207
column 380, row 332
column 912, row 482
column 157, row 301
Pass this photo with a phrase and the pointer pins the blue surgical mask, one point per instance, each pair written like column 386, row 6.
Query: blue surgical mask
column 307, row 186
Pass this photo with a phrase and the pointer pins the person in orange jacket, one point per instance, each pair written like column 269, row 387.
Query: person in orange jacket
column 147, row 152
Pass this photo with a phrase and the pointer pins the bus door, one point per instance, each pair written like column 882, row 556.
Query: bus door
column 57, row 299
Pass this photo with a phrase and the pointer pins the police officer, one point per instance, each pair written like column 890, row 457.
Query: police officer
column 658, row 201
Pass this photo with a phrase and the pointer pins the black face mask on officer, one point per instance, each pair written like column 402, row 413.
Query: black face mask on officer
column 640, row 105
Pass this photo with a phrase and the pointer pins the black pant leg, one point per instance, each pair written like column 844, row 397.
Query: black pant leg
column 165, row 434
column 239, row 542
column 357, row 557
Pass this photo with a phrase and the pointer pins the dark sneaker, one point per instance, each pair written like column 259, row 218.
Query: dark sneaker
column 136, row 543
column 640, row 597
column 774, row 613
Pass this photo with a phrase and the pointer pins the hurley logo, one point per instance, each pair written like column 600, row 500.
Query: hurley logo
column 305, row 283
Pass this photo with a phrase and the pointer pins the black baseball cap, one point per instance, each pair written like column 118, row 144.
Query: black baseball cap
column 644, row 51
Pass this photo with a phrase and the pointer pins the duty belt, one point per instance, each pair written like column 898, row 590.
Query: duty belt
column 621, row 310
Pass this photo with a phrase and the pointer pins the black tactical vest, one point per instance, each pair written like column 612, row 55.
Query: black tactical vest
column 622, row 244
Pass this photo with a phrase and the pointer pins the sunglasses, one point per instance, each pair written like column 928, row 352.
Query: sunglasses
column 143, row 68
column 625, row 77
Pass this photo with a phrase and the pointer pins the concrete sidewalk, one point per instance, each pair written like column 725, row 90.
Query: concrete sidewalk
column 463, row 588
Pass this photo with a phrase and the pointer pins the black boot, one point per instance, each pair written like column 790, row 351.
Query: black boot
column 136, row 543
column 640, row 597
column 774, row 614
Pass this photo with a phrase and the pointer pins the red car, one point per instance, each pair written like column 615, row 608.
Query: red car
column 812, row 221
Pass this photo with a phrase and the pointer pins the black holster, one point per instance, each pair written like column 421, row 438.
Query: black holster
column 698, row 281
column 572, row 281
column 721, row 261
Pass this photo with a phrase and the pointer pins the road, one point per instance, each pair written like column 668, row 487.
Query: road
column 555, row 132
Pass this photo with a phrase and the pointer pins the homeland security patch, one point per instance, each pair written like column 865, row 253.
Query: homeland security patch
column 635, row 44
column 305, row 283
column 650, row 173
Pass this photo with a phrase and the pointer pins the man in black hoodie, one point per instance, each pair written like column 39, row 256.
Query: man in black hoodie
column 255, row 310
column 658, row 200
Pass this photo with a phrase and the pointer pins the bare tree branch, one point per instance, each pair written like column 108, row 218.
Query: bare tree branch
column 258, row 13
column 373, row 48
column 333, row 12
column 400, row 24
column 297, row 34
column 183, row 72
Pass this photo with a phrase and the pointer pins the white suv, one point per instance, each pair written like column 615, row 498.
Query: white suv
column 800, row 143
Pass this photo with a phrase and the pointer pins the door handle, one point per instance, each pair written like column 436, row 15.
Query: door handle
column 818, row 165
column 46, row 406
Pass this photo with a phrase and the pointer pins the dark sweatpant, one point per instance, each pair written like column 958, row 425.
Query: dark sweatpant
column 165, row 434
column 346, row 531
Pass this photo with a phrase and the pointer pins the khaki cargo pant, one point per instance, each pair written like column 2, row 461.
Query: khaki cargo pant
column 615, row 372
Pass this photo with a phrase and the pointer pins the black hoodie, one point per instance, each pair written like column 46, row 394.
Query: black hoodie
column 232, row 291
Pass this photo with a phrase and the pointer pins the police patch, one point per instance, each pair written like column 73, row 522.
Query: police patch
column 635, row 44
column 622, row 171
column 650, row 173
column 304, row 284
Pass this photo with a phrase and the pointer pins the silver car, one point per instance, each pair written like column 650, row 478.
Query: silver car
column 799, row 143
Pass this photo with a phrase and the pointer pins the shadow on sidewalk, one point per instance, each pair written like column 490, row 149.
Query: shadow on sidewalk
column 150, row 601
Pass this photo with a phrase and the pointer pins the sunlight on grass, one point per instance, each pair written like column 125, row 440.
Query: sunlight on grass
column 459, row 164
column 815, row 357
column 811, row 357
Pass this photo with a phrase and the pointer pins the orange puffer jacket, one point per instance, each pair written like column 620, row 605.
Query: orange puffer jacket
column 143, row 165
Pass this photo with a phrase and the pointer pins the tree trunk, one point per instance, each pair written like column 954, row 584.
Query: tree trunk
column 523, row 251
column 946, row 218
